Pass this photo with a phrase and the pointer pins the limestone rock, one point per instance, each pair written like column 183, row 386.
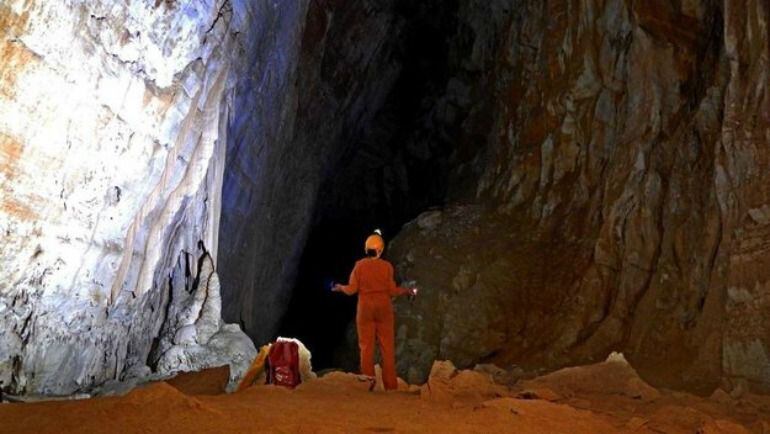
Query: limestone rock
column 437, row 387
column 195, row 338
column 229, row 346
column 447, row 384
column 429, row 220
column 112, row 146
column 622, row 196
column 616, row 357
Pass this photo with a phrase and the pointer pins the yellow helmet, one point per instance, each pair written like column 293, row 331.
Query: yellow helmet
column 375, row 242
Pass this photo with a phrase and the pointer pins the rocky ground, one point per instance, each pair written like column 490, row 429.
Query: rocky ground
column 604, row 398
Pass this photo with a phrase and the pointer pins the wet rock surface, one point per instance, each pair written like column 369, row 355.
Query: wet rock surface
column 621, row 201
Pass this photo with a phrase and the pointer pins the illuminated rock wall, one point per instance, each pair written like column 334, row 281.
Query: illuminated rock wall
column 119, row 125
column 112, row 144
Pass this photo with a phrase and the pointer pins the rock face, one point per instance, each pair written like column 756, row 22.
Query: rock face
column 621, row 203
column 446, row 384
column 180, row 111
column 112, row 144
column 325, row 69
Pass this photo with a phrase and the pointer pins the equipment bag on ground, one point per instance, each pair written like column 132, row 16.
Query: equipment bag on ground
column 283, row 364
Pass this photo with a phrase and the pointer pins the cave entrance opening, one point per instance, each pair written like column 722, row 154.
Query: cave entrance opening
column 393, row 169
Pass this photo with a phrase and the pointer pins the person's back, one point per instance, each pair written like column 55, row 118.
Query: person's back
column 372, row 279
column 375, row 275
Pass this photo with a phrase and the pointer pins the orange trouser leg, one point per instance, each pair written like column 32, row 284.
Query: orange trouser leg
column 386, row 339
column 366, row 331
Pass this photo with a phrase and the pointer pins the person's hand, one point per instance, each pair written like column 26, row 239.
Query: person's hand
column 337, row 288
column 413, row 292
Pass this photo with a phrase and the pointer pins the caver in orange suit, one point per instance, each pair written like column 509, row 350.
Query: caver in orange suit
column 372, row 278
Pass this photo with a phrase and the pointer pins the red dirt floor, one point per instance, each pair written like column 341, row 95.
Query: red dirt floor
column 603, row 398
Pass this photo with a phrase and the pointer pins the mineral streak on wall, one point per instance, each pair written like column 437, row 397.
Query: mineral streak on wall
column 111, row 160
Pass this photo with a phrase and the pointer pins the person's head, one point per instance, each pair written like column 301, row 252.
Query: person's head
column 374, row 244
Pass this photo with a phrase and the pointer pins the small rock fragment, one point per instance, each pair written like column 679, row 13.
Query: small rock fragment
column 542, row 393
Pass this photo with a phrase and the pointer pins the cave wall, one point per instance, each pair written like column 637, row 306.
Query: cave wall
column 605, row 160
column 125, row 129
column 325, row 69
column 112, row 145
column 621, row 203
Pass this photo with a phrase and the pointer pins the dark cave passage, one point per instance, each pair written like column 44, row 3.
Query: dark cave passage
column 392, row 170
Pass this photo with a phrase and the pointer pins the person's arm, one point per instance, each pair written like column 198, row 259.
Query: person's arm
column 352, row 287
column 393, row 289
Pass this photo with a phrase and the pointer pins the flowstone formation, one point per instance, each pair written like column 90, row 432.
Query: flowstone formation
column 621, row 204
column 112, row 142
column 194, row 337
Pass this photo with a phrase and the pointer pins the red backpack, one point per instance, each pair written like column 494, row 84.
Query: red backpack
column 283, row 364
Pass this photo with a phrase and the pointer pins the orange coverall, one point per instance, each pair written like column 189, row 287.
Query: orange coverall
column 372, row 279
